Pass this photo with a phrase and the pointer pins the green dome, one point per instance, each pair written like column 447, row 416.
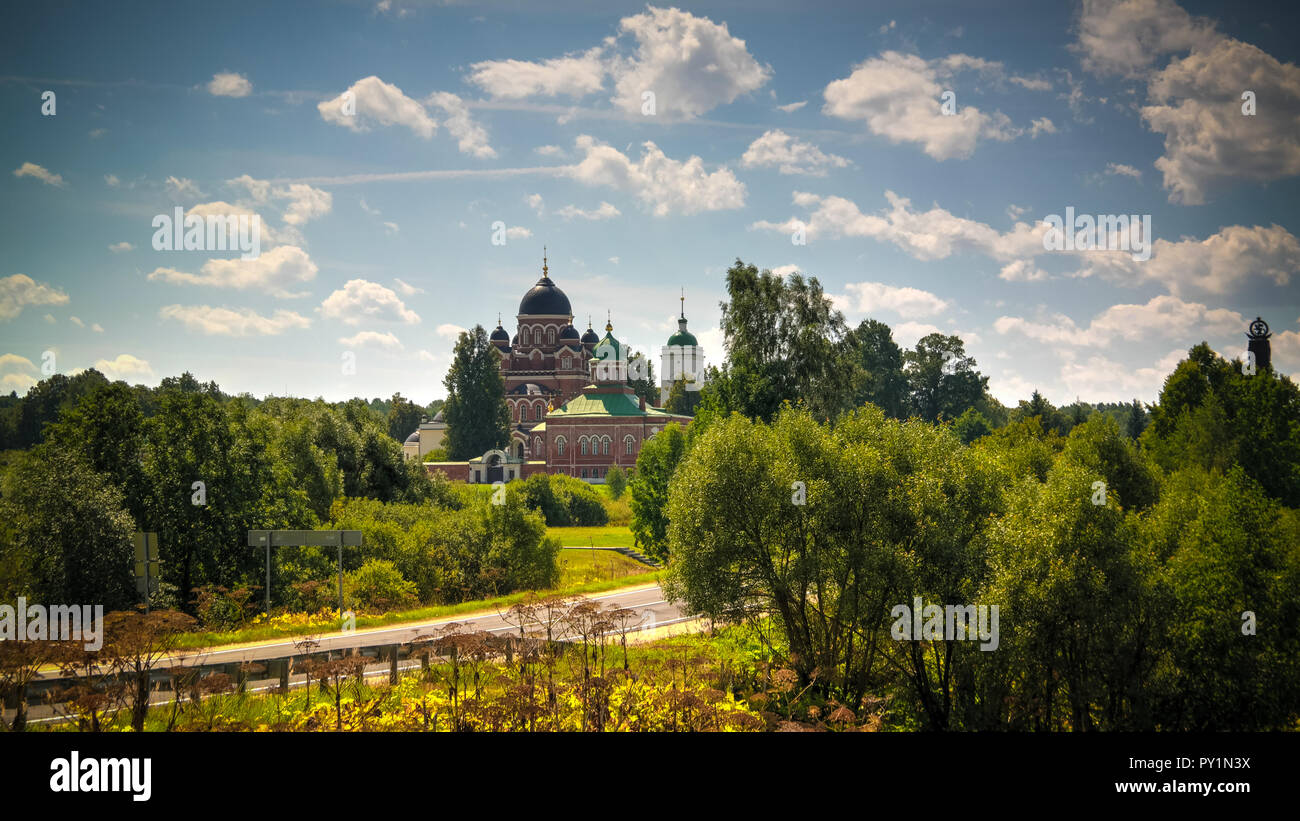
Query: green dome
column 601, row 351
column 682, row 338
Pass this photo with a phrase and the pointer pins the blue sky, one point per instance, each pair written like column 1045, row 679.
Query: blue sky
column 380, row 143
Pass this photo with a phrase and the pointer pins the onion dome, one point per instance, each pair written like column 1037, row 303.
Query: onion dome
column 545, row 298
column 683, row 336
column 499, row 335
column 590, row 338
column 569, row 334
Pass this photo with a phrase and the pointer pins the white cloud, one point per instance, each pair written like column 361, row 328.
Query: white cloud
column 361, row 299
column 372, row 339
column 1196, row 103
column 449, row 331
column 784, row 271
column 50, row 319
column 229, row 84
column 124, row 366
column 120, row 247
column 1101, row 379
column 391, row 228
column 16, row 373
column 407, row 289
column 790, row 155
column 1162, row 317
column 182, row 188
column 792, row 107
column 1120, row 169
column 471, row 137
column 304, row 203
column 690, row 63
column 274, row 272
column 19, row 290
column 111, row 180
column 664, row 185
column 603, row 212
column 30, row 169
column 1126, row 37
column 518, row 232
column 1218, row 264
column 97, row 328
column 380, row 102
column 898, row 97
column 1022, row 270
column 536, row 203
column 872, row 297
column 925, row 235
column 233, row 322
column 549, row 151
column 1041, row 125
column 424, row 356
column 1032, row 83
column 571, row 76
column 76, row 321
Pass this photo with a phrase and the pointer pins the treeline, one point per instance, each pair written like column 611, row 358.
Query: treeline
column 1145, row 560
column 201, row 468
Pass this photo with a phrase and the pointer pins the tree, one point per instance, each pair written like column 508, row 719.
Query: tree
column 783, row 340
column 1137, row 420
column 66, row 531
column 681, row 399
column 942, row 380
column 641, row 376
column 477, row 416
column 616, row 482
column 881, row 380
column 971, row 425
column 655, row 466
column 403, row 417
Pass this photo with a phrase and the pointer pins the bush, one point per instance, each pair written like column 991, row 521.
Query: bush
column 219, row 608
column 378, row 586
column 616, row 481
column 563, row 500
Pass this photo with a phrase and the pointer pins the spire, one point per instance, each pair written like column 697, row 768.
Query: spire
column 609, row 325
column 683, row 303
column 544, row 270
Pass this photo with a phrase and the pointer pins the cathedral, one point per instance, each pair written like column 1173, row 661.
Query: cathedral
column 572, row 410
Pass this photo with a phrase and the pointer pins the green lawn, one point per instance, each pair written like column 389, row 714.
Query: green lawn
column 604, row 536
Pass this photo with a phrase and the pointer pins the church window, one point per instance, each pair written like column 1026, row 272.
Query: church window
column 523, row 413
column 559, row 445
column 584, row 473
column 604, row 446
column 523, row 336
column 627, row 444
column 583, row 443
column 568, row 363
column 550, row 336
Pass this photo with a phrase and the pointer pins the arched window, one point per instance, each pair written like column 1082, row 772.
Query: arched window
column 537, row 447
column 523, row 412
column 583, row 443
column 604, row 446
column 628, row 444
column 523, row 336
column 567, row 363
column 550, row 336
column 559, row 445
column 541, row 410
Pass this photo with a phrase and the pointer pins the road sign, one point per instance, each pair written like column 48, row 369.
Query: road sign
column 303, row 538
column 147, row 571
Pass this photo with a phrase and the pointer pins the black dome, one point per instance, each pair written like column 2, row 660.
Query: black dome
column 569, row 332
column 500, row 335
column 590, row 338
column 545, row 298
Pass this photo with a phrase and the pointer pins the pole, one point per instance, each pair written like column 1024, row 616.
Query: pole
column 268, row 578
column 146, row 574
column 340, row 576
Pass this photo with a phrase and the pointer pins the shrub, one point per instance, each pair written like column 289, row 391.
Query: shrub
column 378, row 586
column 616, row 482
column 563, row 500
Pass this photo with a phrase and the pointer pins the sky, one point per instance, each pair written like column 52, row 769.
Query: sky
column 407, row 162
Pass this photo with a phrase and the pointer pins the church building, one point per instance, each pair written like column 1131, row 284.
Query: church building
column 571, row 408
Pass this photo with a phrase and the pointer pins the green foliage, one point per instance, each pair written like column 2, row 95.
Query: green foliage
column 616, row 482
column 881, row 380
column 941, row 378
column 403, row 417
column 655, row 466
column 378, row 586
column 563, row 500
column 476, row 413
column 971, row 425
column 681, row 400
column 65, row 533
column 1098, row 447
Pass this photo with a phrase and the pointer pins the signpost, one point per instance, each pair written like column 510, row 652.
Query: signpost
column 303, row 538
column 146, row 565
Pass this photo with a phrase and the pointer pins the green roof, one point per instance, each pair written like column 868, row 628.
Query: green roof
column 609, row 340
column 591, row 403
column 682, row 338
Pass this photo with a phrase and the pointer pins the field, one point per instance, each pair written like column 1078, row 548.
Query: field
column 579, row 566
column 605, row 536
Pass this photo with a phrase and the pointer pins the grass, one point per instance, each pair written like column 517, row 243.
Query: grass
column 569, row 586
column 579, row 566
column 603, row 536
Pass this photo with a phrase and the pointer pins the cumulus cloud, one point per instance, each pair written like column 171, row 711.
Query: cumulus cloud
column 233, row 322
column 789, row 154
column 549, row 151
column 274, row 272
column 31, row 169
column 449, row 331
column 372, row 339
column 16, row 373
column 19, row 291
column 471, row 137
column 407, row 289
column 1102, row 379
column 361, row 299
column 690, row 63
column 182, row 188
column 1162, row 317
column 229, row 84
column 570, row 76
column 872, row 297
column 925, row 235
column 1125, row 37
column 124, row 366
column 789, row 108
column 664, row 185
column 1219, row 264
column 898, row 96
column 375, row 101
column 1120, row 169
column 120, row 247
